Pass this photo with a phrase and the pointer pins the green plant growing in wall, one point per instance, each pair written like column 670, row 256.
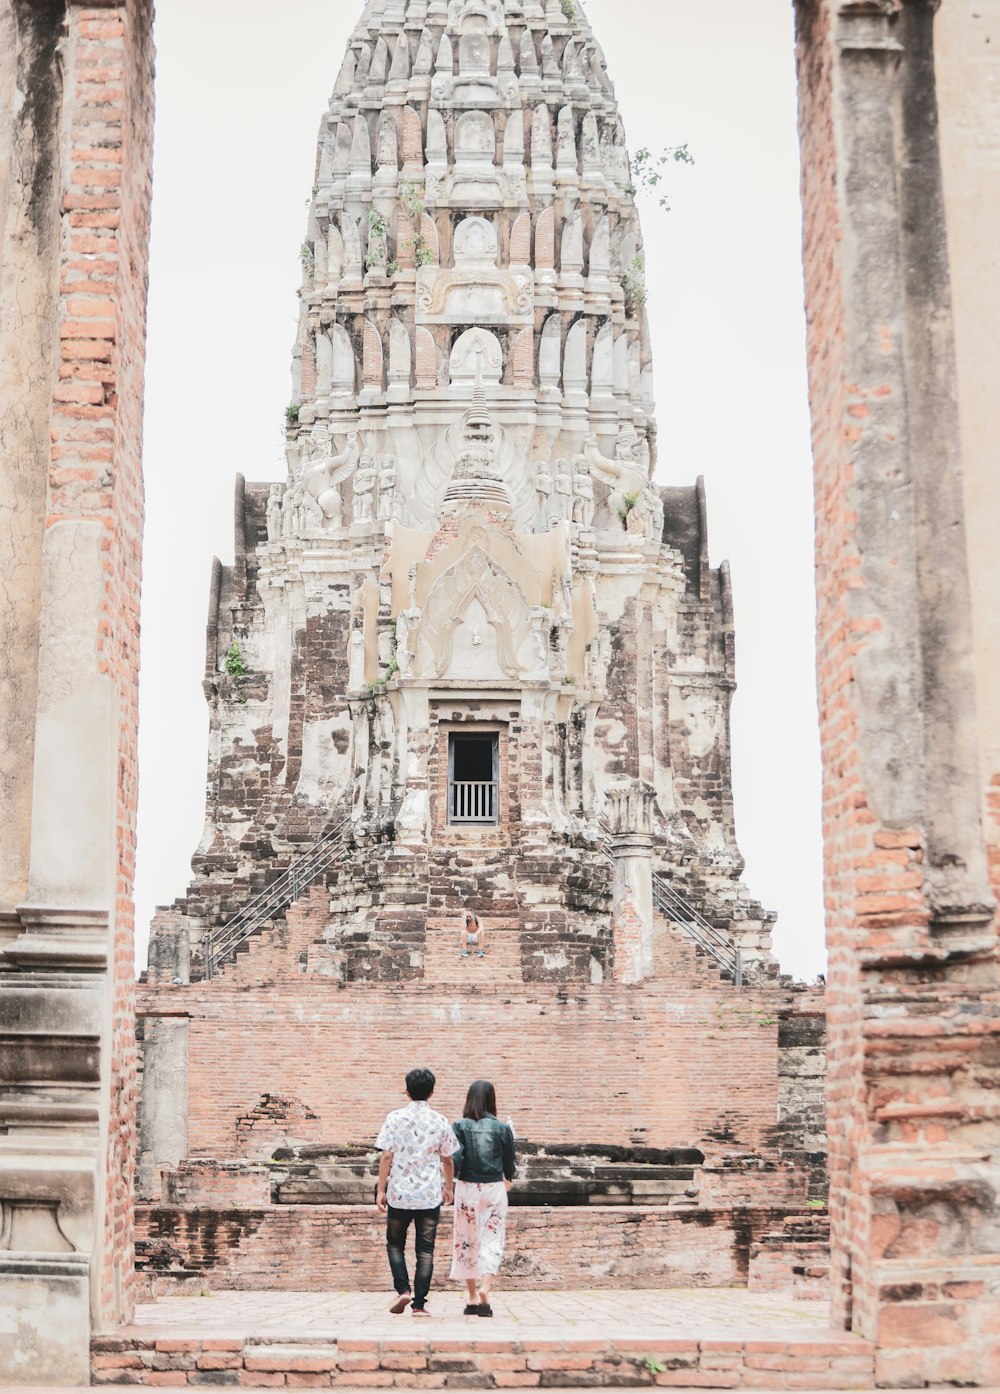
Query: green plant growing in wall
column 234, row 664
column 307, row 257
column 378, row 240
column 569, row 10
column 628, row 503
column 416, row 208
column 292, row 413
column 654, row 1366
column 633, row 283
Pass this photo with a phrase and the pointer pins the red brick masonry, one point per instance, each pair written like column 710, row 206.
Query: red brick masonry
column 471, row 1363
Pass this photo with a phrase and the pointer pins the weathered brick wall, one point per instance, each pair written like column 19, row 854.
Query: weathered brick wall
column 911, row 995
column 343, row 1247
column 97, row 473
column 678, row 1066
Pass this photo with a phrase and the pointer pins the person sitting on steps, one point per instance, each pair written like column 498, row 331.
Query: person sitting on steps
column 473, row 936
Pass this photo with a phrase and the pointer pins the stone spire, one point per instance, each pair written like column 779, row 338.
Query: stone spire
column 472, row 213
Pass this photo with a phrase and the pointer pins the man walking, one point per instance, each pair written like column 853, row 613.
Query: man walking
column 415, row 1173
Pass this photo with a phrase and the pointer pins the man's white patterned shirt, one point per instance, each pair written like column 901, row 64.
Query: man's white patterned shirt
column 418, row 1138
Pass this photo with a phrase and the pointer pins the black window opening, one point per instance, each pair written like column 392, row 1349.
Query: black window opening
column 473, row 772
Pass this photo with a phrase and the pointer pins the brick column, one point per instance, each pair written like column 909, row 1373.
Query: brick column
column 912, row 998
column 67, row 967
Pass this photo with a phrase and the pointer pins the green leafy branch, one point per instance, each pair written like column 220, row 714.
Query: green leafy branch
column 648, row 171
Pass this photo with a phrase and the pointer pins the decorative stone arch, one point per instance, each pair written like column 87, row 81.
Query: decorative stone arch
column 476, row 576
column 476, row 346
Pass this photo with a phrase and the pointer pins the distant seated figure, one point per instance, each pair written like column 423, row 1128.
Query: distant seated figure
column 473, row 936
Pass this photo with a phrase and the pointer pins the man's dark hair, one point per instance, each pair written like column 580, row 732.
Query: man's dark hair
column 420, row 1084
column 480, row 1100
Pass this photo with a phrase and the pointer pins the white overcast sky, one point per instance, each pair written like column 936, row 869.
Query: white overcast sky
column 240, row 89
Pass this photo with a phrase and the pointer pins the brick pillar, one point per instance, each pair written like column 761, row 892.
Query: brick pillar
column 630, row 812
column 913, row 1003
column 67, row 1068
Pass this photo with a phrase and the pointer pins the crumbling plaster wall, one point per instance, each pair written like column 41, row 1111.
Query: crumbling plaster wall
column 967, row 45
column 75, row 152
column 31, row 82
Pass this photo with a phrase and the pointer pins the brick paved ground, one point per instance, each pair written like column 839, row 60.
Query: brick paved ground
column 731, row 1314
column 703, row 1338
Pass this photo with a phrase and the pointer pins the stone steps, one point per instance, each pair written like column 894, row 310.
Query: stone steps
column 481, row 1360
column 560, row 1176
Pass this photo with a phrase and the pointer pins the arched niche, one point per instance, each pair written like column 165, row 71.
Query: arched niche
column 475, row 244
column 475, row 350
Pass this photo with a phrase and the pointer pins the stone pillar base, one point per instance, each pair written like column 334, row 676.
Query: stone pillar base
column 44, row 1320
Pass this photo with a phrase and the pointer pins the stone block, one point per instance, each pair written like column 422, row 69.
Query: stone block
column 44, row 1320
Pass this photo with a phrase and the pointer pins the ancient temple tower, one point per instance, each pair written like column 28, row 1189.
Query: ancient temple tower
column 469, row 654
column 468, row 618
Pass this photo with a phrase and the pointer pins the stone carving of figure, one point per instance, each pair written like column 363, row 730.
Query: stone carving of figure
column 387, row 489
column 364, row 489
column 637, row 520
column 628, row 443
column 543, row 488
column 322, row 478
column 583, row 494
column 291, row 509
column 654, row 532
column 626, row 477
column 599, row 655
column 562, row 498
column 274, row 513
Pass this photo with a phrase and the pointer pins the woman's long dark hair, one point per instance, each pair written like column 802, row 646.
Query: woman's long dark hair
column 480, row 1100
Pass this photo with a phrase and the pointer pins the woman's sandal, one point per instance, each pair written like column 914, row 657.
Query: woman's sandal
column 484, row 1309
column 471, row 1309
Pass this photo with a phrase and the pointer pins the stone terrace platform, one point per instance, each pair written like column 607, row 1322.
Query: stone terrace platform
column 709, row 1339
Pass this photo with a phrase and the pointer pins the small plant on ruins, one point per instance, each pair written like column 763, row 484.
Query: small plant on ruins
column 292, row 413
column 569, row 10
column 416, row 207
column 378, row 240
column 235, row 666
column 815, row 1204
column 307, row 257
column 654, row 1366
column 628, row 503
column 379, row 684
column 633, row 283
column 647, row 171
column 568, row 680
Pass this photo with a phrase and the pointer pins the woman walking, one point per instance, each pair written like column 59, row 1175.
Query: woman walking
column 483, row 1176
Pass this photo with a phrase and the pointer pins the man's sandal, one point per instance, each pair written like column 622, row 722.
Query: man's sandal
column 401, row 1303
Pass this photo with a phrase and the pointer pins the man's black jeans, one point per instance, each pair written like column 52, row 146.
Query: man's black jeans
column 425, row 1223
